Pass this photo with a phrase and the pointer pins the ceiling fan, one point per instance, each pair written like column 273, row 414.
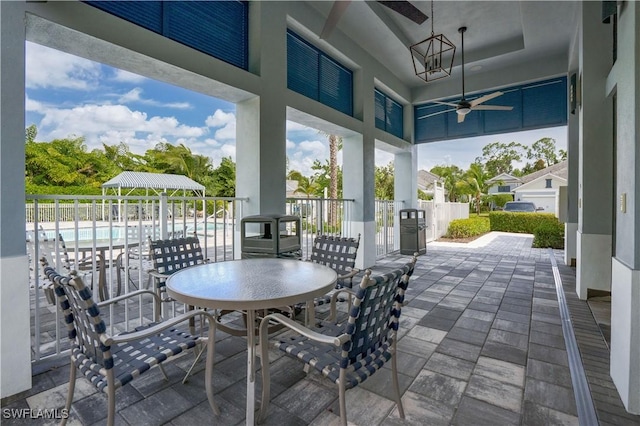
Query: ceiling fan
column 463, row 106
column 402, row 7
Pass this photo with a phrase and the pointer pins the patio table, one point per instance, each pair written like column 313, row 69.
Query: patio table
column 250, row 285
column 101, row 246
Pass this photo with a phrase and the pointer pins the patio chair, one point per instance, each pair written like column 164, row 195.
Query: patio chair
column 131, row 259
column 110, row 362
column 347, row 353
column 338, row 253
column 54, row 250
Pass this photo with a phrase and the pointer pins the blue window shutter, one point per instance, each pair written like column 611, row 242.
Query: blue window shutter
column 545, row 104
column 503, row 121
column 302, row 67
column 218, row 28
column 430, row 128
column 394, row 120
column 380, row 100
column 536, row 105
column 147, row 14
column 313, row 74
column 335, row 85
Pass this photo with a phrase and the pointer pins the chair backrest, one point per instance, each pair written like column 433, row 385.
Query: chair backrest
column 373, row 319
column 172, row 255
column 338, row 253
column 85, row 327
column 55, row 252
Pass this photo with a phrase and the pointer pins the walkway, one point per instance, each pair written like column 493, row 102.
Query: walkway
column 481, row 344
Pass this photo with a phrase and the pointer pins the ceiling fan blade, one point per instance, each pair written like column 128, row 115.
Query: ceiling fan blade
column 492, row 108
column 337, row 10
column 435, row 113
column 445, row 103
column 461, row 117
column 485, row 98
column 406, row 9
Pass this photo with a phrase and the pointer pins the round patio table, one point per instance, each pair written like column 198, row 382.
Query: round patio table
column 250, row 285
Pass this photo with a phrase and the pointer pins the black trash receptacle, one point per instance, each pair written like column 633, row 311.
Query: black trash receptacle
column 271, row 235
column 413, row 231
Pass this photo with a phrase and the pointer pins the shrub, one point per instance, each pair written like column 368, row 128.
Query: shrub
column 524, row 223
column 464, row 228
column 549, row 235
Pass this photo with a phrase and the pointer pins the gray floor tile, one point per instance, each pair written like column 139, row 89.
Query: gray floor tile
column 552, row 373
column 450, row 366
column 549, row 395
column 509, row 338
column 502, row 371
column 475, row 412
column 548, row 354
column 458, row 349
column 468, row 336
column 439, row 387
column 513, row 326
column 495, row 392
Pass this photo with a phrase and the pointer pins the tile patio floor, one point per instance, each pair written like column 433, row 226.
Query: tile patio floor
column 481, row 344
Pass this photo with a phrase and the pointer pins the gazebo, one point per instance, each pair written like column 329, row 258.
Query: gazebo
column 158, row 183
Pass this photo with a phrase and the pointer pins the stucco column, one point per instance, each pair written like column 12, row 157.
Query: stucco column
column 595, row 173
column 358, row 183
column 625, row 272
column 261, row 121
column 15, row 349
column 405, row 183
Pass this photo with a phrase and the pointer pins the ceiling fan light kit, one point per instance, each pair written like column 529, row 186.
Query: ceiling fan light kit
column 433, row 56
column 463, row 106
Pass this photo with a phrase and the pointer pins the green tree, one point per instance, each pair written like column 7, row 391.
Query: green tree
column 544, row 149
column 308, row 187
column 453, row 177
column 499, row 157
column 384, row 182
column 476, row 183
column 223, row 180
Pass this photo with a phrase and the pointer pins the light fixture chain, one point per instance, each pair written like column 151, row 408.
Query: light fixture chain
column 432, row 19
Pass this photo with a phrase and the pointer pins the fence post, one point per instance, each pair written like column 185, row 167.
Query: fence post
column 164, row 216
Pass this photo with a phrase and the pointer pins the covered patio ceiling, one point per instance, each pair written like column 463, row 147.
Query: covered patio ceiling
column 506, row 42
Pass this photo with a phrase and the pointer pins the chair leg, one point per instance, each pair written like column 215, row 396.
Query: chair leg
column 343, row 404
column 396, row 386
column 72, row 387
column 195, row 361
column 266, row 376
column 208, row 371
column 111, row 410
column 164, row 373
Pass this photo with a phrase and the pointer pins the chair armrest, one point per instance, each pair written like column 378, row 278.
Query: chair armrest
column 350, row 275
column 153, row 330
column 334, row 300
column 299, row 328
column 127, row 296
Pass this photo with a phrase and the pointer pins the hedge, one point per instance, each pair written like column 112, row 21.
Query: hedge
column 523, row 223
column 464, row 228
column 549, row 235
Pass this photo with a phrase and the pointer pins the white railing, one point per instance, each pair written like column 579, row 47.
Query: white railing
column 439, row 215
column 107, row 229
column 387, row 226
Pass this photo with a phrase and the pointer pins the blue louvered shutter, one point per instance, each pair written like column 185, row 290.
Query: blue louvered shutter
column 302, row 67
column 217, row 28
column 147, row 14
column 504, row 121
column 545, row 104
column 380, row 109
column 394, row 119
column 336, row 88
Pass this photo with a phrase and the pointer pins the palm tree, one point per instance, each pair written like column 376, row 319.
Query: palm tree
column 476, row 179
column 335, row 144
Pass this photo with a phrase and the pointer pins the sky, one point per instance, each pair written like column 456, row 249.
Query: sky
column 69, row 96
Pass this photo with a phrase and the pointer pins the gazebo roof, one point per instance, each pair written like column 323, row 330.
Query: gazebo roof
column 156, row 181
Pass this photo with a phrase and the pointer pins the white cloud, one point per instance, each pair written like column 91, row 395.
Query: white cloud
column 112, row 124
column 31, row 105
column 133, row 96
column 50, row 68
column 220, row 118
column 127, row 77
